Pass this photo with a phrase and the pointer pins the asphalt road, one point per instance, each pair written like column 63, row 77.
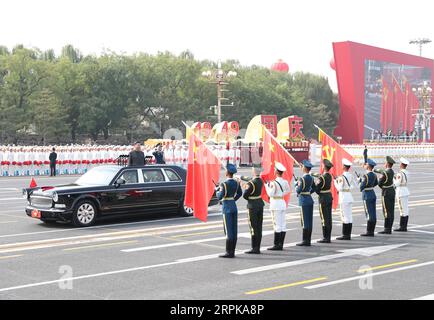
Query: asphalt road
column 169, row 257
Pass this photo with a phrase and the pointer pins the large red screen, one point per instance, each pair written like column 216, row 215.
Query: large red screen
column 376, row 91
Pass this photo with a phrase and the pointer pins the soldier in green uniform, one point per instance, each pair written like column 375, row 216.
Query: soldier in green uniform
column 255, row 208
column 387, row 194
column 323, row 189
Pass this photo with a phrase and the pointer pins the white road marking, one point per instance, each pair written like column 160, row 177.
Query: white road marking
column 428, row 297
column 423, row 231
column 174, row 244
column 369, row 275
column 366, row 251
column 183, row 243
column 10, row 199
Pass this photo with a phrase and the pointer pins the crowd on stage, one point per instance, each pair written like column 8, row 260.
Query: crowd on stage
column 388, row 136
column 78, row 159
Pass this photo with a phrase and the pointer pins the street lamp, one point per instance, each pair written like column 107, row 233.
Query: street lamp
column 423, row 115
column 220, row 78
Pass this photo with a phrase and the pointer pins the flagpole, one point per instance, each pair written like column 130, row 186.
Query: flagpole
column 265, row 128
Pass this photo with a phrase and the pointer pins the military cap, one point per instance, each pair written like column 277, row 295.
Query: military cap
column 371, row 162
column 231, row 168
column 307, row 164
column 279, row 167
column 390, row 160
column 404, row 161
column 346, row 162
column 327, row 163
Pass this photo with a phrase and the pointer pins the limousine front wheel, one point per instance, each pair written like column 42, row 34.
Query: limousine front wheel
column 84, row 214
column 186, row 211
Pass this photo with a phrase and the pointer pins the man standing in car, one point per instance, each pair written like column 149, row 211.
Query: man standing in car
column 53, row 157
column 136, row 157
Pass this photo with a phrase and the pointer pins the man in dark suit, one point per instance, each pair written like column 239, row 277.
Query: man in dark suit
column 365, row 155
column 136, row 157
column 53, row 157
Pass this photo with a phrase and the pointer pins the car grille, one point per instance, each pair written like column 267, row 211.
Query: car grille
column 41, row 202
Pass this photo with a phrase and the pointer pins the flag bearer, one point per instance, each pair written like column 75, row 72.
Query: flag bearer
column 255, row 209
column 367, row 184
column 277, row 190
column 388, row 195
column 304, row 189
column 402, row 193
column 323, row 189
column 229, row 192
column 343, row 185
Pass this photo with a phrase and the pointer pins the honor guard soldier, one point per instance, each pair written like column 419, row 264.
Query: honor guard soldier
column 229, row 192
column 323, row 189
column 343, row 185
column 402, row 193
column 387, row 194
column 304, row 190
column 367, row 184
column 255, row 209
column 277, row 190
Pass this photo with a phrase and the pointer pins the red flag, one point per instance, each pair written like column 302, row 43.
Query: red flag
column 334, row 152
column 398, row 103
column 385, row 116
column 272, row 152
column 203, row 171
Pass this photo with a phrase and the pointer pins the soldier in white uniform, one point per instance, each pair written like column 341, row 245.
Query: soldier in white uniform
column 184, row 156
column 400, row 182
column 276, row 190
column 344, row 184
column 177, row 155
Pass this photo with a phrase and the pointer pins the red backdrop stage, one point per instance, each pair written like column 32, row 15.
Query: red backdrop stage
column 362, row 74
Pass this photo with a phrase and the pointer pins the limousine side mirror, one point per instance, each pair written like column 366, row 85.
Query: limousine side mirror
column 119, row 182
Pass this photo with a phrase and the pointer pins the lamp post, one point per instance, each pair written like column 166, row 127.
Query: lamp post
column 420, row 42
column 423, row 115
column 220, row 78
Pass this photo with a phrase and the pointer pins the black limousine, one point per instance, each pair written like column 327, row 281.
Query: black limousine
column 111, row 190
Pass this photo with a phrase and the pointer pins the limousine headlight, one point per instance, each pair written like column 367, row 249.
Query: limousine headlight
column 55, row 196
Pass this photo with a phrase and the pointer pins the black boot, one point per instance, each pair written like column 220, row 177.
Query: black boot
column 346, row 233
column 229, row 253
column 306, row 238
column 402, row 224
column 326, row 235
column 369, row 230
column 282, row 239
column 276, row 246
column 255, row 246
column 387, row 227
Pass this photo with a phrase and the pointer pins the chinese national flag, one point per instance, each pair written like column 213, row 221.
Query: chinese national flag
column 385, row 107
column 203, row 170
column 333, row 151
column 272, row 152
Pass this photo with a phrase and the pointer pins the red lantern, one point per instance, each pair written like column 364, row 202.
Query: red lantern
column 280, row 66
column 332, row 63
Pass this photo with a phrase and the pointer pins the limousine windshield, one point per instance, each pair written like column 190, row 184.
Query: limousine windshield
column 98, row 176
